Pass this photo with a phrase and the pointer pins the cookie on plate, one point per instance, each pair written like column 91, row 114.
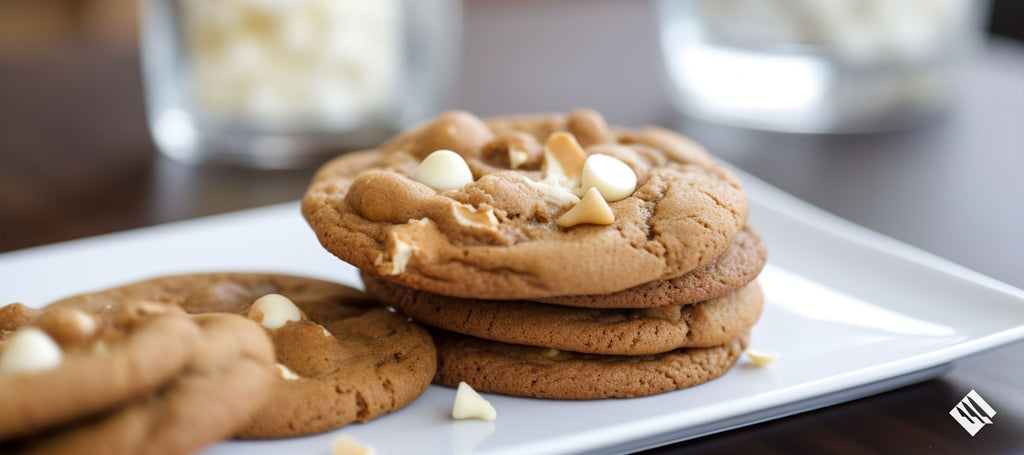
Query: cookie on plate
column 526, row 207
column 63, row 365
column 222, row 372
column 529, row 371
column 341, row 357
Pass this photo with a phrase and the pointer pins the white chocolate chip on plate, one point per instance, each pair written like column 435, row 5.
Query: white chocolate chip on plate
column 762, row 358
column 470, row 405
column 443, row 170
column 274, row 311
column 592, row 209
column 563, row 156
column 613, row 178
column 30, row 350
column 347, row 445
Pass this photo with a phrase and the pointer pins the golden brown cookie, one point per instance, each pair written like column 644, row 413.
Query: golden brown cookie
column 225, row 382
column 586, row 330
column 740, row 264
column 105, row 360
column 528, row 371
column 345, row 359
column 500, row 234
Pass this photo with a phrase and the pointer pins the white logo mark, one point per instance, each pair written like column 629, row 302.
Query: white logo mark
column 973, row 413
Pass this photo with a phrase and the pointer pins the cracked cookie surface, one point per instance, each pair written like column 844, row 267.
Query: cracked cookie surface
column 498, row 237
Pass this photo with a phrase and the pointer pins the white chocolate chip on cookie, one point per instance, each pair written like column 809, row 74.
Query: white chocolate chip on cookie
column 30, row 350
column 516, row 157
column 592, row 209
column 287, row 373
column 443, row 170
column 563, row 156
column 274, row 310
column 470, row 405
column 613, row 178
column 468, row 216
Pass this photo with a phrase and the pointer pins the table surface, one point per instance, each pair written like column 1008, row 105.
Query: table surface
column 76, row 160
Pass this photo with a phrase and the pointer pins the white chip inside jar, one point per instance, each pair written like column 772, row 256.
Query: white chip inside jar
column 762, row 358
column 470, row 405
column 443, row 170
column 614, row 179
column 276, row 311
column 30, row 350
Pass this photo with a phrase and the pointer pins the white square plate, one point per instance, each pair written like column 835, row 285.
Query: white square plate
column 852, row 313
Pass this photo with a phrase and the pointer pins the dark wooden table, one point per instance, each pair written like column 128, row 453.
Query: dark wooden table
column 76, row 160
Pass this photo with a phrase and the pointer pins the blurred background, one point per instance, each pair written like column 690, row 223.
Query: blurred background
column 77, row 157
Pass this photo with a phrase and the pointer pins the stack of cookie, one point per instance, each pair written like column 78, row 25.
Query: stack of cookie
column 556, row 256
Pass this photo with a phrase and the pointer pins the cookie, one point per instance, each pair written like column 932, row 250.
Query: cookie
column 503, row 230
column 740, row 264
column 528, row 371
column 346, row 359
column 591, row 331
column 106, row 360
column 224, row 383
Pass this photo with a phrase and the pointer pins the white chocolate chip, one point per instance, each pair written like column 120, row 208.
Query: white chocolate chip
column 30, row 350
column 592, row 209
column 563, row 156
column 443, row 170
column 553, row 352
column 276, row 310
column 613, row 178
column 327, row 333
column 86, row 324
column 552, row 191
column 762, row 358
column 470, row 405
column 400, row 256
column 347, row 445
column 516, row 157
column 395, row 261
column 287, row 373
column 468, row 216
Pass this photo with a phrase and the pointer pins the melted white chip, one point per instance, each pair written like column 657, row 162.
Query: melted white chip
column 276, row 309
column 286, row 372
column 30, row 350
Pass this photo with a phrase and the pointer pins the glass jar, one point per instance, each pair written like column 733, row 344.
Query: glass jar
column 287, row 83
column 819, row 66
